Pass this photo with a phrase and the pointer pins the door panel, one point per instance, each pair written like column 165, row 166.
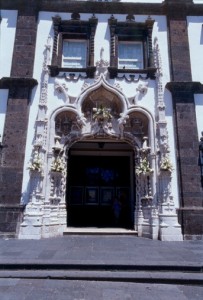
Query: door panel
column 93, row 183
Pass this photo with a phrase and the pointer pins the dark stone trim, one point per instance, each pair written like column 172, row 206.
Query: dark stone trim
column 55, row 70
column 11, row 206
column 176, row 8
column 113, row 71
column 10, row 218
column 191, row 219
column 130, row 30
column 184, row 88
column 9, row 82
column 195, row 86
column 86, row 7
column 73, row 29
column 187, row 142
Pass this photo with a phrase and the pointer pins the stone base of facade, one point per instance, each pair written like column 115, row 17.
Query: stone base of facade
column 37, row 232
column 10, row 219
column 161, row 225
column 193, row 237
column 42, row 221
column 191, row 219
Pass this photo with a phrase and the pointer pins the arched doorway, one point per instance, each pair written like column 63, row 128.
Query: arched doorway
column 101, row 133
column 100, row 184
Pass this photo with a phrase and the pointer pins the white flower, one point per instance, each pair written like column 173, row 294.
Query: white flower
column 166, row 165
column 143, row 167
column 57, row 165
column 102, row 113
column 36, row 163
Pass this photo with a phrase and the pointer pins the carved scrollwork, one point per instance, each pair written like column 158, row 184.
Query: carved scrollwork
column 62, row 88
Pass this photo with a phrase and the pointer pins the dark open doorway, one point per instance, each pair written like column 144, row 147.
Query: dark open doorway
column 93, row 183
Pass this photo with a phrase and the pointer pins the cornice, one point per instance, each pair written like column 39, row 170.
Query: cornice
column 174, row 9
column 185, row 87
column 85, row 7
column 9, row 82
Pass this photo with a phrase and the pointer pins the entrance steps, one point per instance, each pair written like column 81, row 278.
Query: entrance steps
column 102, row 258
column 102, row 274
column 98, row 231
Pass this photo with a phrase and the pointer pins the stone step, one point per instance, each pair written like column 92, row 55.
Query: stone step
column 185, row 278
column 41, row 265
column 98, row 231
column 7, row 235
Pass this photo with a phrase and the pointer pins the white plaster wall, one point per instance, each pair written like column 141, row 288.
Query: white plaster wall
column 195, row 34
column 143, row 1
column 3, row 107
column 172, row 145
column 131, row 1
column 7, row 37
column 101, row 40
column 199, row 113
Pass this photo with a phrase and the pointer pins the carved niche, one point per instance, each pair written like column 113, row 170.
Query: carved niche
column 66, row 123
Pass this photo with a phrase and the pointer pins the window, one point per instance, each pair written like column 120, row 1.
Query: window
column 73, row 48
column 74, row 54
column 130, row 55
column 131, row 47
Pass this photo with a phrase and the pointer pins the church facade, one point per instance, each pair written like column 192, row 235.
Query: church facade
column 101, row 117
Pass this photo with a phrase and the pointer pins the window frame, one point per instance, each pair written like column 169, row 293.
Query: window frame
column 130, row 59
column 76, row 57
column 74, row 29
column 131, row 31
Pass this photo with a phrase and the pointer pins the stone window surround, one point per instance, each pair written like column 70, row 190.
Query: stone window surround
column 130, row 30
column 73, row 29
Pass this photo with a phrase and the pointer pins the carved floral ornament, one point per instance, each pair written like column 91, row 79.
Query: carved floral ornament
column 58, row 164
column 143, row 167
column 36, row 163
column 166, row 165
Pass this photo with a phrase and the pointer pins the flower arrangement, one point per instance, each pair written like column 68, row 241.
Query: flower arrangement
column 143, row 167
column 166, row 165
column 36, row 163
column 102, row 113
column 57, row 165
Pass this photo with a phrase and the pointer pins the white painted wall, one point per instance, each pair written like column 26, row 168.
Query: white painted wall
column 195, row 34
column 3, row 107
column 141, row 1
column 7, row 37
column 199, row 112
column 131, row 1
column 102, row 38
column 172, row 145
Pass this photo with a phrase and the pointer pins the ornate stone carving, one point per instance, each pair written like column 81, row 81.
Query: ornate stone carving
column 101, row 65
column 62, row 88
column 141, row 90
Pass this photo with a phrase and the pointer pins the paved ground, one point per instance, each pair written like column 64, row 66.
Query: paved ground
column 13, row 289
column 122, row 250
column 100, row 267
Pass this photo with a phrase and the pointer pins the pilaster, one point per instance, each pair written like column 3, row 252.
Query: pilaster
column 191, row 194
column 20, row 85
